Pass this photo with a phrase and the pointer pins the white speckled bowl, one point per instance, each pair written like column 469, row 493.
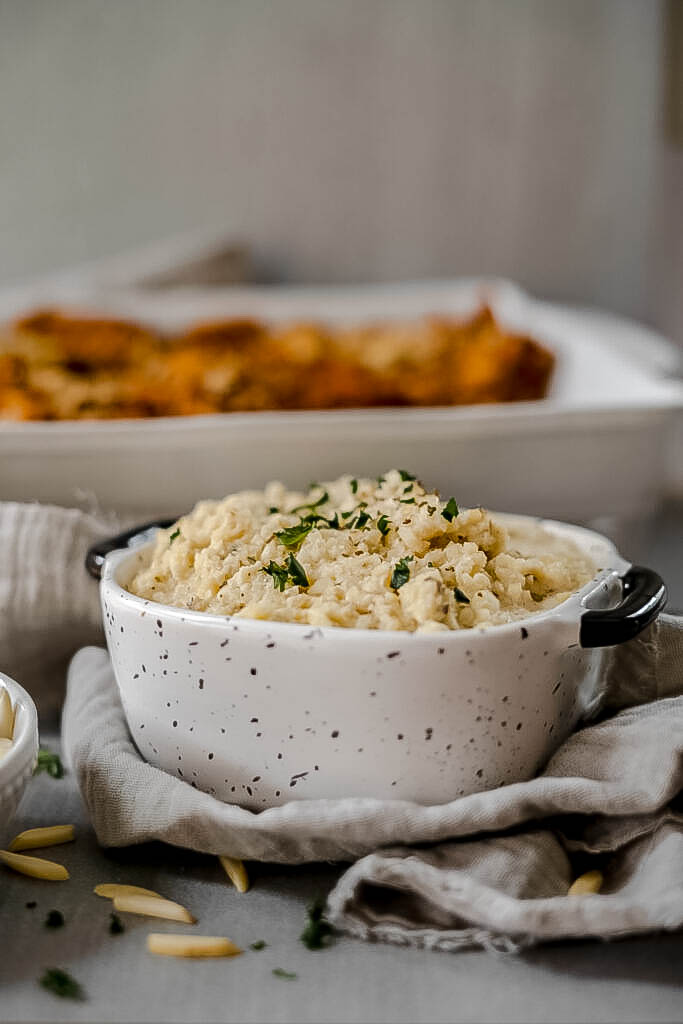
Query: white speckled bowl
column 16, row 768
column 260, row 713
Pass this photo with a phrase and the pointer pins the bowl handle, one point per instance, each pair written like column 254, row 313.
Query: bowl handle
column 94, row 559
column 643, row 597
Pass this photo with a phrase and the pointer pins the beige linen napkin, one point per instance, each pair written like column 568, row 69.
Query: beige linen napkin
column 49, row 606
column 491, row 869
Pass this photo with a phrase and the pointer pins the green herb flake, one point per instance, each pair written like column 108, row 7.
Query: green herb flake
column 273, row 509
column 383, row 525
column 450, row 510
column 354, row 486
column 297, row 573
column 460, row 596
column 362, row 520
column 313, row 504
column 293, row 536
column 174, row 535
column 408, row 488
column 381, row 480
column 407, row 501
column 31, row 905
column 287, row 975
column 61, row 984
column 116, row 926
column 50, row 763
column 258, row 945
column 278, row 573
column 401, row 573
column 54, row 919
column 406, row 476
column 318, row 931
column 333, row 522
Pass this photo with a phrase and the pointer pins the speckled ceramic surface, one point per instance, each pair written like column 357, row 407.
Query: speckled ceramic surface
column 260, row 713
column 16, row 768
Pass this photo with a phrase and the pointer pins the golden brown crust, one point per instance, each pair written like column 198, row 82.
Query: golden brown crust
column 54, row 366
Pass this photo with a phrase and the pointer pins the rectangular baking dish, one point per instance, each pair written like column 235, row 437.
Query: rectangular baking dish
column 597, row 447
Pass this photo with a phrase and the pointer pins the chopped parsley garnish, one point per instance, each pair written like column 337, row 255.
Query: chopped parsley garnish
column 460, row 596
column 54, row 919
column 362, row 520
column 279, row 574
column 354, row 486
column 383, row 525
column 313, row 504
column 407, row 501
column 50, row 763
column 291, row 572
column 408, row 488
column 450, row 510
column 346, row 515
column 318, row 931
column 287, row 975
column 293, row 536
column 176, row 533
column 258, row 945
column 60, row 983
column 401, row 573
column 406, row 476
column 297, row 573
column 381, row 480
column 116, row 924
column 273, row 509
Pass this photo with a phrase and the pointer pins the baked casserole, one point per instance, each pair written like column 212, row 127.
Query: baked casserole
column 57, row 366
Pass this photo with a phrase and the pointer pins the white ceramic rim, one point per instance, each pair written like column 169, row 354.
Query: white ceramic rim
column 568, row 610
column 25, row 739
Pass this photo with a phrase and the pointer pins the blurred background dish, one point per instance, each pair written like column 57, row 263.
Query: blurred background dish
column 610, row 408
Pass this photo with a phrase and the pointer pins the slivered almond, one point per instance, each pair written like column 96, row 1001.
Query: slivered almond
column 591, row 882
column 236, row 872
column 153, row 906
column 5, row 747
column 35, row 867
column 50, row 835
column 111, row 890
column 191, row 945
column 6, row 715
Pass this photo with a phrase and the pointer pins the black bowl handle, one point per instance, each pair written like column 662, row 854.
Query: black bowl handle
column 94, row 559
column 643, row 597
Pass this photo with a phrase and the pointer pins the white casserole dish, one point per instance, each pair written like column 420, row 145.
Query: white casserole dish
column 16, row 768
column 610, row 405
column 260, row 713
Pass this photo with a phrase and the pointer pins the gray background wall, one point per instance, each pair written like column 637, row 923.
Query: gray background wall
column 350, row 140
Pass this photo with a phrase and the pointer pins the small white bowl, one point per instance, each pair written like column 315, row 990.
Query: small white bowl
column 16, row 768
column 260, row 713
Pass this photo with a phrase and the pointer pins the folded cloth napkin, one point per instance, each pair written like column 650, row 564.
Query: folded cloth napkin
column 49, row 605
column 491, row 869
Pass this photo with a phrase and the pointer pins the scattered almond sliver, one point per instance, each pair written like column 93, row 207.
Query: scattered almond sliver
column 50, row 835
column 112, row 890
column 191, row 945
column 6, row 715
column 153, row 906
column 236, row 872
column 5, row 746
column 35, row 867
column 591, row 882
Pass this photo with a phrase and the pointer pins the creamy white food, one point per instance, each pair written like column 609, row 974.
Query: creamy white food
column 367, row 554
